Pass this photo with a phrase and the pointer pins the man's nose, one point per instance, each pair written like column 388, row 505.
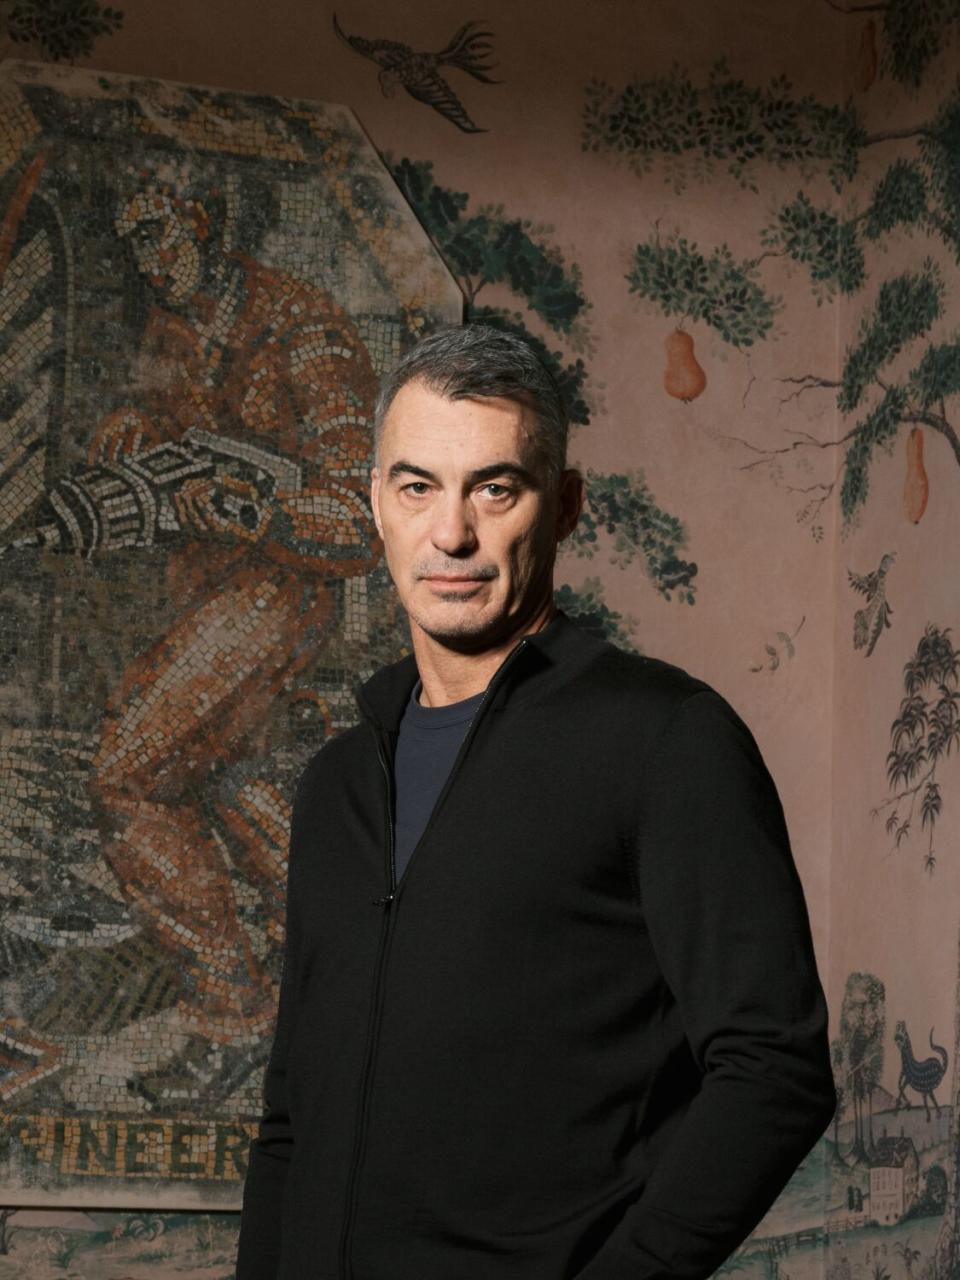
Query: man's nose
column 453, row 529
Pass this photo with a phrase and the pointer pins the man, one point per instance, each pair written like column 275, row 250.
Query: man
column 580, row 1032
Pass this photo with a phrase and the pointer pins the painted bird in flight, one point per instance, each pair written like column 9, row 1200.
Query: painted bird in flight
column 419, row 73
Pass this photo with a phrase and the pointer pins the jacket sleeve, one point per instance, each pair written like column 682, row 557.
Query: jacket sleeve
column 723, row 903
column 258, row 1255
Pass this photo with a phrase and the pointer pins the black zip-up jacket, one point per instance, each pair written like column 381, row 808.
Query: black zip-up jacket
column 583, row 1036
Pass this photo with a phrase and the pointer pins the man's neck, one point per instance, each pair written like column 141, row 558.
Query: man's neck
column 449, row 676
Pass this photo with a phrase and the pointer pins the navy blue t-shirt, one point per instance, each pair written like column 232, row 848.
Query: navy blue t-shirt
column 429, row 740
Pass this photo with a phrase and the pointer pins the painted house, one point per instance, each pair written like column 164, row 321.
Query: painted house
column 894, row 1178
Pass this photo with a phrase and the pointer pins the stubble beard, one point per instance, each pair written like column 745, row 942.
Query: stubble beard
column 471, row 634
column 465, row 634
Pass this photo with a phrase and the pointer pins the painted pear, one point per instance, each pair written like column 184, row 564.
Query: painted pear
column 916, row 489
column 867, row 57
column 683, row 379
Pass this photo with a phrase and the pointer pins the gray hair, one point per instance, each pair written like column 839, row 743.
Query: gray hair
column 471, row 361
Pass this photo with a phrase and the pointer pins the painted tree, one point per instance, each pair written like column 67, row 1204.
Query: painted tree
column 58, row 29
column 934, row 1198
column 913, row 32
column 908, row 1255
column 922, row 736
column 621, row 512
column 6, row 1231
column 691, row 131
column 839, row 1083
column 485, row 247
column 862, row 1025
column 946, row 1255
column 587, row 608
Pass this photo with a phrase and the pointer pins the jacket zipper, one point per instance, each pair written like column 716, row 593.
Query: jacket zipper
column 498, row 679
column 373, row 1026
column 389, row 898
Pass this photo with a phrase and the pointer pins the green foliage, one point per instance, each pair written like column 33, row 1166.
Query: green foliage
column 64, row 1247
column 487, row 248
column 940, row 149
column 899, row 197
column 862, row 1025
column 586, row 607
column 914, row 32
column 623, row 507
column 817, row 239
column 717, row 289
column 437, row 208
column 937, row 376
column 906, row 307
column 933, row 1199
column 857, row 1053
column 927, row 727
column 62, row 28
column 490, row 248
column 726, row 121
column 878, row 428
column 692, row 128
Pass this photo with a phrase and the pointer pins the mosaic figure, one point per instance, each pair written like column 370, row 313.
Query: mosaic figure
column 192, row 324
column 236, row 346
column 232, row 352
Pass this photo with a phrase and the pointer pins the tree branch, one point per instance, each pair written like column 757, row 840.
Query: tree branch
column 902, row 795
column 893, row 135
column 858, row 8
column 806, row 441
column 808, row 382
column 940, row 424
column 767, row 253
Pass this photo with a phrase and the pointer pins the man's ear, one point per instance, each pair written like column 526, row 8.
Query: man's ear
column 375, row 498
column 571, row 502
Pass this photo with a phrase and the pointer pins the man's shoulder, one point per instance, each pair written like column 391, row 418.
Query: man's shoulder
column 632, row 678
column 642, row 701
column 338, row 757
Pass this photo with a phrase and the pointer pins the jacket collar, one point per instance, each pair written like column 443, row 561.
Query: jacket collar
column 537, row 661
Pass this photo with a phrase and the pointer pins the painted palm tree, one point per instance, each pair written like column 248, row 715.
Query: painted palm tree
column 903, row 1249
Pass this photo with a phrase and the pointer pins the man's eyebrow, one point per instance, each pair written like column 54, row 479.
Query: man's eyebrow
column 490, row 472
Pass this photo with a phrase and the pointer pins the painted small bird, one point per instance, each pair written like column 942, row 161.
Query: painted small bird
column 869, row 622
column 419, row 73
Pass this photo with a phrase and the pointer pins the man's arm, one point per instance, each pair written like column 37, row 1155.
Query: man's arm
column 258, row 1256
column 727, row 918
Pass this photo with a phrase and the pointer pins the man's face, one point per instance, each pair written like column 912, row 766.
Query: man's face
column 164, row 244
column 469, row 520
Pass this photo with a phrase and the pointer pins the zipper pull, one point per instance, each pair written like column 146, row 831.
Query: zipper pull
column 384, row 901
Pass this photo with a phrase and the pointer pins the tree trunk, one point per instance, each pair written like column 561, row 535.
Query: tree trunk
column 945, row 1254
column 5, row 1231
column 858, row 1151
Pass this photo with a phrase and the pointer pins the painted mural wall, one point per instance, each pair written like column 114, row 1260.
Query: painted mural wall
column 734, row 228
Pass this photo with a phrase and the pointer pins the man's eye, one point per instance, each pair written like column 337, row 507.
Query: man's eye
column 495, row 490
column 418, row 488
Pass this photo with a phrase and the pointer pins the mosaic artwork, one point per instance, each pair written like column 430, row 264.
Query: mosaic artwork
column 198, row 293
